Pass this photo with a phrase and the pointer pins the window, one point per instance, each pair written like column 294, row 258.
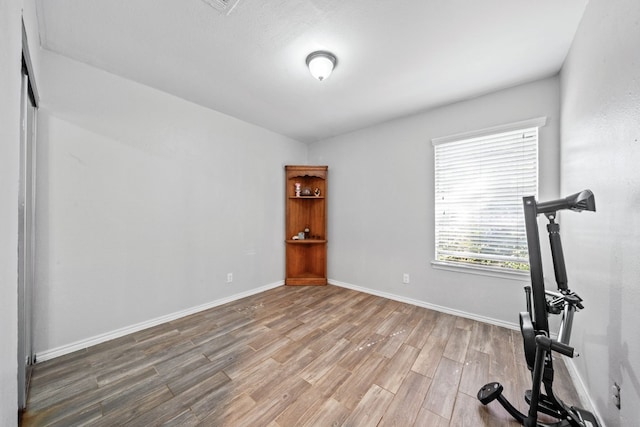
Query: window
column 480, row 179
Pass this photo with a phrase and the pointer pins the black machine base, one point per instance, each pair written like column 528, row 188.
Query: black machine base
column 586, row 417
column 577, row 417
column 545, row 405
column 489, row 393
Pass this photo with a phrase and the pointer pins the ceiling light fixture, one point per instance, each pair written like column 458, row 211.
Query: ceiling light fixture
column 321, row 64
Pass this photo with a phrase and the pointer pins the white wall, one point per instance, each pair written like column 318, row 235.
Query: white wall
column 10, row 54
column 601, row 151
column 145, row 203
column 381, row 218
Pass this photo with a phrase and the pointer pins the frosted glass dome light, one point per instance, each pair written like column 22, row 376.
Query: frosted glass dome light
column 321, row 64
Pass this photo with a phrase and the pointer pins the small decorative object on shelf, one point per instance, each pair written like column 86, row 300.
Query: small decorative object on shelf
column 306, row 210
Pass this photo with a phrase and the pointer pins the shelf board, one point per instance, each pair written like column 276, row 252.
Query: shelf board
column 306, row 241
column 306, row 197
column 306, row 279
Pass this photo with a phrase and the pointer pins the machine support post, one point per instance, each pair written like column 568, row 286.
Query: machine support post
column 535, row 264
column 532, row 418
column 556, row 252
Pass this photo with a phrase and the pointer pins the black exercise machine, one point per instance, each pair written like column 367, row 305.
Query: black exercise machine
column 534, row 324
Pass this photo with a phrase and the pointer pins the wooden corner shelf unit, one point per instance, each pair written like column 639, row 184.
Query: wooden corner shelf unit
column 306, row 225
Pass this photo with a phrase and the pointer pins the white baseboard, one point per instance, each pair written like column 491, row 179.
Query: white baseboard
column 97, row 339
column 585, row 399
column 419, row 303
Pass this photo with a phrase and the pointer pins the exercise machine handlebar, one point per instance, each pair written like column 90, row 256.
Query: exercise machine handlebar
column 549, row 344
column 582, row 201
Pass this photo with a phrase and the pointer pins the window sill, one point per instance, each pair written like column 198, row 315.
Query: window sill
column 523, row 276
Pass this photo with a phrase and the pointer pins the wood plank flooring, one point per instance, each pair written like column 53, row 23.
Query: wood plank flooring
column 291, row 356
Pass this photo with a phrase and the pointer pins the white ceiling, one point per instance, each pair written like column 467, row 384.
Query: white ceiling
column 395, row 57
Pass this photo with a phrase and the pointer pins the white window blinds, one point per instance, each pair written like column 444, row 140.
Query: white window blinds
column 479, row 185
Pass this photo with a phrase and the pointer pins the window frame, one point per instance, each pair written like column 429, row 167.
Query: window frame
column 463, row 267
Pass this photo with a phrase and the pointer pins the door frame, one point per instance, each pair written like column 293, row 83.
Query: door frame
column 27, row 223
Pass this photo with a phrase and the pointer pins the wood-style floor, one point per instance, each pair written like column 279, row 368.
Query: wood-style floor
column 291, row 356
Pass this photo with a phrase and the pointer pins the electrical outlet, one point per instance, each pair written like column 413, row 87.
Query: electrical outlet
column 405, row 278
column 229, row 277
column 616, row 395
